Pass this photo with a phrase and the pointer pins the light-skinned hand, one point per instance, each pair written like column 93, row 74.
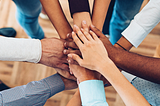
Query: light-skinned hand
column 92, row 49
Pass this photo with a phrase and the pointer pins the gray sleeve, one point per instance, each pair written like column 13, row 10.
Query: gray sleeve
column 34, row 93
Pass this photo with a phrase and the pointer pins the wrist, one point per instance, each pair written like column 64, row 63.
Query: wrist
column 105, row 65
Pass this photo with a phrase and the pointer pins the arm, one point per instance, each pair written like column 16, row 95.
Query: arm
column 75, row 100
column 142, row 24
column 95, row 57
column 141, row 66
column 35, row 92
column 100, row 9
column 57, row 17
column 90, row 88
column 46, row 51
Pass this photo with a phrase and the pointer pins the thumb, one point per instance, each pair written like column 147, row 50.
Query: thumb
column 75, row 57
column 97, row 31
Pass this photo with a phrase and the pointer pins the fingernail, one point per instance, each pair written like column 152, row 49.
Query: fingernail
column 92, row 25
column 64, row 51
column 69, row 55
column 67, row 35
column 75, row 26
column 71, row 72
column 73, row 33
column 84, row 22
column 65, row 44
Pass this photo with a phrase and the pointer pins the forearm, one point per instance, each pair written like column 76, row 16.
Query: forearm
column 34, row 93
column 80, row 16
column 100, row 9
column 141, row 25
column 141, row 66
column 75, row 100
column 129, row 94
column 57, row 17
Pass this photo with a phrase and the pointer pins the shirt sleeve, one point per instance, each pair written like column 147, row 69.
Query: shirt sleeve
column 92, row 93
column 34, row 93
column 78, row 6
column 143, row 23
column 20, row 49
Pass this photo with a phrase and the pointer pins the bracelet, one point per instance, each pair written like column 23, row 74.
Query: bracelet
column 121, row 46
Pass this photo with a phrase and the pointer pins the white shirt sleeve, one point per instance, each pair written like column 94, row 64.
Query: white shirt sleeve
column 143, row 23
column 19, row 49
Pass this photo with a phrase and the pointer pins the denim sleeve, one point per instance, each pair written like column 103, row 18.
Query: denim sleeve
column 92, row 93
column 34, row 93
column 78, row 6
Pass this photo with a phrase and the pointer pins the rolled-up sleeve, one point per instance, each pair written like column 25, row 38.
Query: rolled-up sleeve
column 143, row 23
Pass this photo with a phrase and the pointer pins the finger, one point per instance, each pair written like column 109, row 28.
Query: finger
column 85, row 26
column 72, row 52
column 65, row 74
column 88, row 36
column 69, row 37
column 76, row 40
column 75, row 57
column 70, row 45
column 80, row 34
column 64, row 67
column 93, row 35
column 97, row 31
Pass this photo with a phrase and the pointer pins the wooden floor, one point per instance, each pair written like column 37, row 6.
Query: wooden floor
column 7, row 19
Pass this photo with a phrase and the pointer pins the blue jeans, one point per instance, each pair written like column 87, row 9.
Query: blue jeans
column 27, row 15
column 123, row 12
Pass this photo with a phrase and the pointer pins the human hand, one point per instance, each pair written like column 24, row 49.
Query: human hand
column 93, row 51
column 52, row 53
column 69, row 84
column 69, row 43
column 83, row 74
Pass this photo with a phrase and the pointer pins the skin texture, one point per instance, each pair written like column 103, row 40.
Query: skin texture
column 52, row 56
column 138, row 65
column 141, row 66
column 57, row 17
column 92, row 47
column 99, row 13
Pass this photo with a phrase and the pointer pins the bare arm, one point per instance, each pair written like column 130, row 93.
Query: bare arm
column 95, row 57
column 100, row 9
column 141, row 66
column 75, row 100
column 57, row 17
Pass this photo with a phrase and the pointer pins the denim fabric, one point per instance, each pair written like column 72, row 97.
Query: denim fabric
column 123, row 12
column 27, row 15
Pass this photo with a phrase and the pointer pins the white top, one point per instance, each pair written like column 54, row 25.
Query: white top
column 143, row 23
column 19, row 49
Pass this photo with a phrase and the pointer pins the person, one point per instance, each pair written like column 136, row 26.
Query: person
column 123, row 12
column 36, row 92
column 95, row 57
column 132, row 63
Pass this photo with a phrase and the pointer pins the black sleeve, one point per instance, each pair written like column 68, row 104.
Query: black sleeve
column 78, row 6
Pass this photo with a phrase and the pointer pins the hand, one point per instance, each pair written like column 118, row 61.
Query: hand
column 93, row 51
column 69, row 84
column 83, row 74
column 69, row 43
column 52, row 53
